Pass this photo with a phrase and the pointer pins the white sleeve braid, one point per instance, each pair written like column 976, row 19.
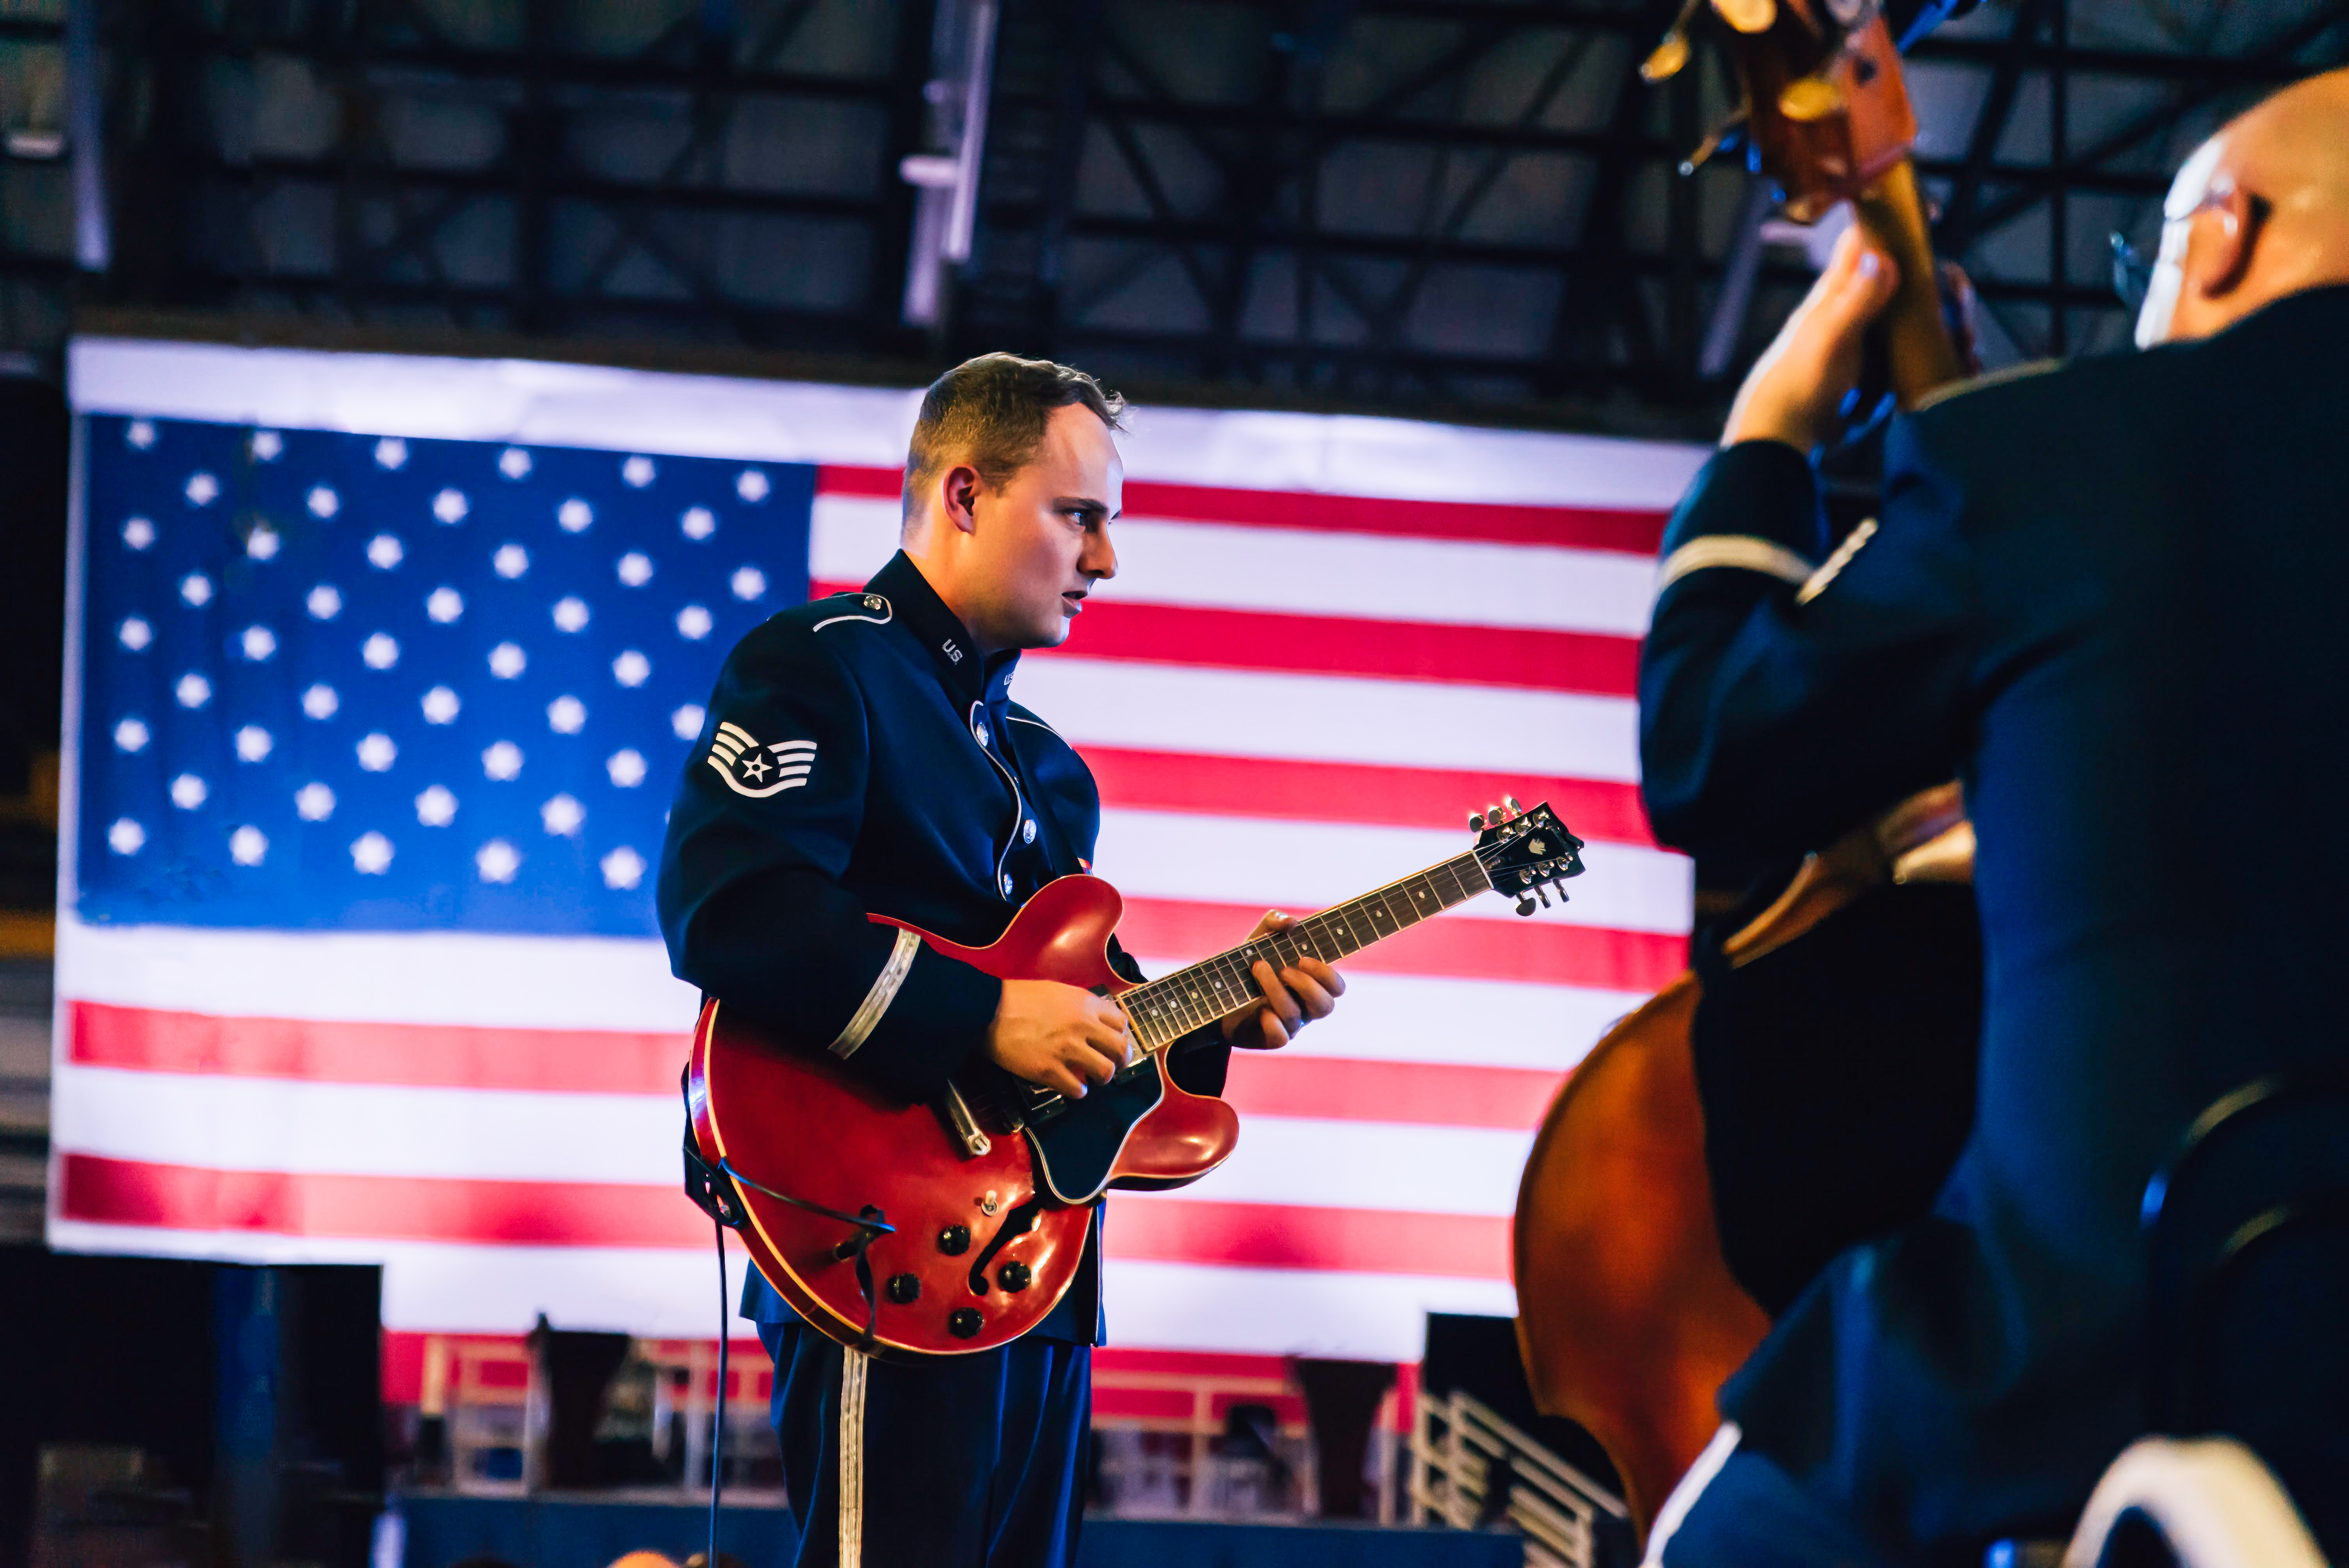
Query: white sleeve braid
column 1741, row 551
column 876, row 1001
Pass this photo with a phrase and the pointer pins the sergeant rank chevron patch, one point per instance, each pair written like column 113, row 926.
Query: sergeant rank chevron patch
column 749, row 768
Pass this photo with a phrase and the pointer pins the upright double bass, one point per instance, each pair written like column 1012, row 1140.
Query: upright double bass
column 1631, row 1316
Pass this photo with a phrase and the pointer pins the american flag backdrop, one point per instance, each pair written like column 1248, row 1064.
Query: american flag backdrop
column 384, row 670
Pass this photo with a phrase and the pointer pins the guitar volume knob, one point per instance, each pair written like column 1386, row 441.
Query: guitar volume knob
column 1013, row 1276
column 955, row 1240
column 963, row 1323
column 905, row 1288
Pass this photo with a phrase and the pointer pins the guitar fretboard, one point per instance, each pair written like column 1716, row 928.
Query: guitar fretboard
column 1166, row 1009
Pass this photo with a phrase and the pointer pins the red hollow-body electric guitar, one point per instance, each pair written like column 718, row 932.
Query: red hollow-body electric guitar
column 911, row 1229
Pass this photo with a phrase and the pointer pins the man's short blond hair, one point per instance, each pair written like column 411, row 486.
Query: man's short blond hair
column 991, row 412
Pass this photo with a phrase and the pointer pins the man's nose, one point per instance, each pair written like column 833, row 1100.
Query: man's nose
column 1099, row 558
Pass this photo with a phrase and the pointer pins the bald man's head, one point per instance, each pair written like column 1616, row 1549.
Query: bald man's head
column 2260, row 212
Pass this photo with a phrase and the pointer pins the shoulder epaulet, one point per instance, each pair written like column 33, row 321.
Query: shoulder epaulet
column 871, row 608
column 2023, row 371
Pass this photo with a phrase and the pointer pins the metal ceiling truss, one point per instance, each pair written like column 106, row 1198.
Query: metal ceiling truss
column 1177, row 286
column 572, row 189
column 1402, row 203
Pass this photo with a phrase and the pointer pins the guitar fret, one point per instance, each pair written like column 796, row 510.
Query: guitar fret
column 1166, row 1009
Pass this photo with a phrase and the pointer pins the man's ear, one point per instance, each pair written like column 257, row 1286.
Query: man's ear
column 959, row 489
column 2221, row 258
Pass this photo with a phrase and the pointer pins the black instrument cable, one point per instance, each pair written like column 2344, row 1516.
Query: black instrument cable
column 718, row 1432
column 713, row 1189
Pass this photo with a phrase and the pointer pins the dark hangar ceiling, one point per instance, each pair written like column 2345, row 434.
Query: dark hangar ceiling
column 1469, row 208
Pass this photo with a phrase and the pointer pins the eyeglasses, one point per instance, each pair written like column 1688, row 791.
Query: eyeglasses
column 2133, row 274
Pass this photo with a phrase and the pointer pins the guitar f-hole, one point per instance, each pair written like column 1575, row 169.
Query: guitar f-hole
column 1017, row 1223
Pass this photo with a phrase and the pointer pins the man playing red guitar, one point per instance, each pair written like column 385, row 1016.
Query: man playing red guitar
column 863, row 757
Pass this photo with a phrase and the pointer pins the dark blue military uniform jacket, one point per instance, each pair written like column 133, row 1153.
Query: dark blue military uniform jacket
column 861, row 757
column 2109, row 598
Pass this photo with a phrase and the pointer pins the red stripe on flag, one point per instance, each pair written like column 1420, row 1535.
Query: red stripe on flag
column 1631, row 529
column 1354, row 792
column 96, row 1189
column 437, row 1055
column 1533, row 660
column 1285, row 1236
column 1424, row 1094
column 1534, row 950
column 108, row 1191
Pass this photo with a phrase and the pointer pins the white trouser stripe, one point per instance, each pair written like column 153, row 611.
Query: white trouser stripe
column 876, row 1001
column 1743, row 551
column 852, row 1458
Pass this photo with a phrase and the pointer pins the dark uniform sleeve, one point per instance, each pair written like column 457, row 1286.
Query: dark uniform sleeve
column 1198, row 1061
column 751, row 898
column 1784, row 698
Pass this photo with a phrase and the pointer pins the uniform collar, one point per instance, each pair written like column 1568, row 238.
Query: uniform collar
column 967, row 677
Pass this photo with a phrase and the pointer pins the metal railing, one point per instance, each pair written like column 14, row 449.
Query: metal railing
column 1469, row 1469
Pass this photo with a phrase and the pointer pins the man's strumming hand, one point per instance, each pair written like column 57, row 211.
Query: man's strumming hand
column 1795, row 390
column 1058, row 1036
column 1306, row 990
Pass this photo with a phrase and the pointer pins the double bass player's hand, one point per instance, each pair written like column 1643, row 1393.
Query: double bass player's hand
column 1794, row 392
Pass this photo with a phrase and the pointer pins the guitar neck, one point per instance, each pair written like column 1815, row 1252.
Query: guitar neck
column 1166, row 1009
column 1917, row 335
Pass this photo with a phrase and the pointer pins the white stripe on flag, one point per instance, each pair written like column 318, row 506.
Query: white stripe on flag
column 1293, row 572
column 798, row 422
column 506, row 982
column 1388, row 1166
column 1464, row 1023
column 1293, row 1312
column 305, row 1128
column 1334, row 719
column 368, row 1130
column 1305, row 866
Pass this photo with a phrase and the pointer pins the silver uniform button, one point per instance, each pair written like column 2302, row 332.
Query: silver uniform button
column 1027, row 830
column 873, row 601
column 979, row 729
column 1007, row 884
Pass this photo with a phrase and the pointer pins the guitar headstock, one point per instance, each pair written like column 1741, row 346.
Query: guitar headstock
column 1825, row 113
column 1526, row 851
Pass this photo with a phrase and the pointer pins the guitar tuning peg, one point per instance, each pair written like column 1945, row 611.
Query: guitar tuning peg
column 1475, row 821
column 1495, row 814
column 1543, row 888
column 1515, row 810
column 1525, row 904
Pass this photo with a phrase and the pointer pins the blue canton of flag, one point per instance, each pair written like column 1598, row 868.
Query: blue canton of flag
column 368, row 683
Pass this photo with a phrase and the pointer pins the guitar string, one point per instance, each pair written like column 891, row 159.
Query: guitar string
column 1340, row 930
column 1227, row 966
column 1345, row 921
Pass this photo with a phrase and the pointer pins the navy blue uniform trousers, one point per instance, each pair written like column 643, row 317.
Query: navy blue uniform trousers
column 974, row 1461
